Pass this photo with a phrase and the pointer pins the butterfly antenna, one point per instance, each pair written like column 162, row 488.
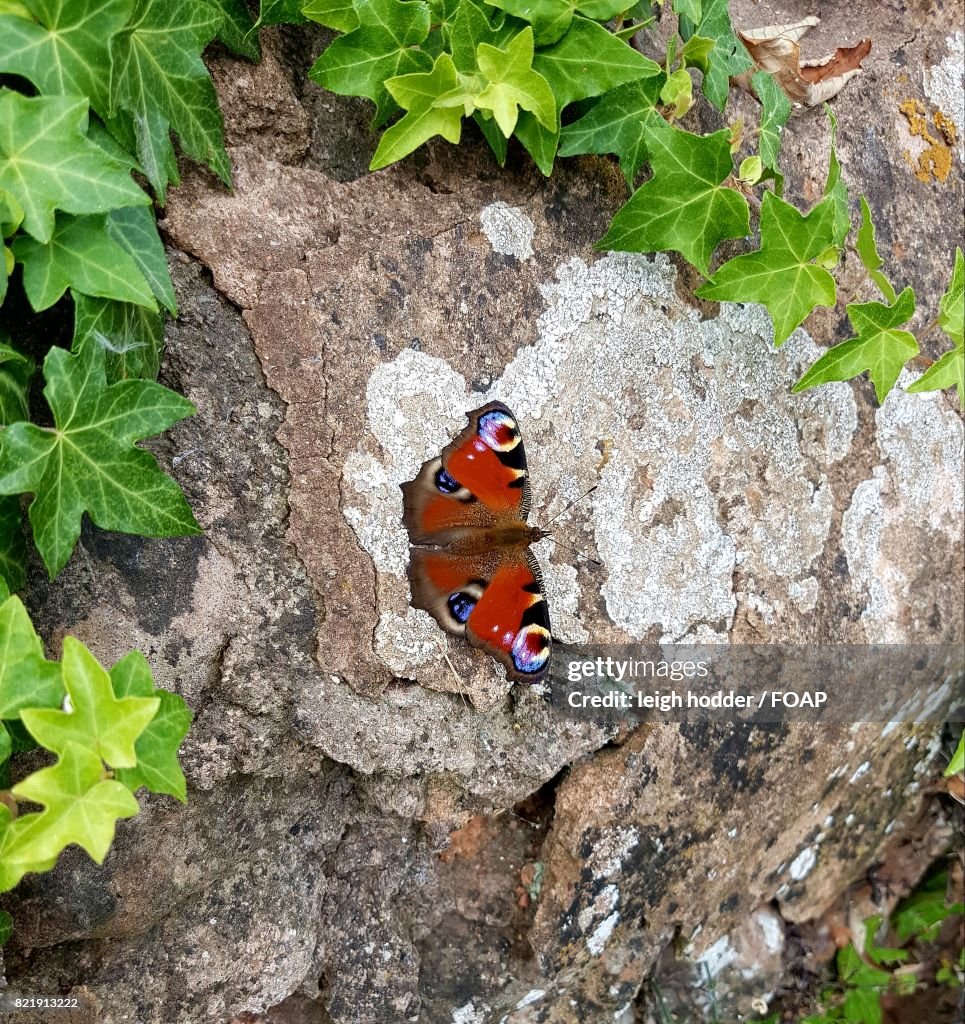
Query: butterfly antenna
column 571, row 504
column 576, row 551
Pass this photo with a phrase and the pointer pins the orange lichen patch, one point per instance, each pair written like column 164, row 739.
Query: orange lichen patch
column 935, row 161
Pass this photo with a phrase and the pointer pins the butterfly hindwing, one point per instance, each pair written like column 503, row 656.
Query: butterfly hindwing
column 469, row 564
column 496, row 603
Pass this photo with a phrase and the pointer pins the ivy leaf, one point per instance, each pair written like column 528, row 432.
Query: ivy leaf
column 419, row 94
column 689, row 9
column 835, row 187
column 951, row 308
column 64, row 48
column 468, row 27
column 80, row 254
column 159, row 78
column 382, row 47
column 280, row 12
column 775, row 110
column 728, row 57
column 27, row 678
column 156, row 747
column 80, row 807
column 491, row 133
column 538, row 140
column 237, row 30
column 678, row 93
column 879, row 347
column 88, row 461
column 551, row 18
column 868, row 253
column 685, row 206
column 48, row 163
column 617, row 123
column 589, row 61
column 15, row 373
column 336, row 14
column 949, row 370
column 104, row 724
column 512, row 83
column 131, row 336
column 781, row 274
column 135, row 230
column 863, row 986
column 13, row 546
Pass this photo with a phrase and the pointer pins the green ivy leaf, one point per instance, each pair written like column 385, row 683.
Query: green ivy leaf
column 88, row 461
column 6, row 749
column 685, row 206
column 551, row 18
column 678, row 93
column 951, row 308
column 775, row 110
column 280, row 12
column 781, row 274
column 949, row 370
column 957, row 763
column 80, row 806
column 728, row 57
column 696, row 53
column 135, row 230
column 920, row 916
column 27, row 678
column 64, row 48
column 157, row 747
column 48, row 163
column 419, row 95
column 835, row 188
column 863, row 987
column 237, row 30
column 868, row 253
column 80, row 254
column 689, row 9
column 382, row 47
column 13, row 546
column 337, row 14
column 879, row 347
column 617, row 123
column 158, row 77
column 512, row 83
column 538, row 140
column 131, row 336
column 104, row 724
column 498, row 142
column 464, row 31
column 15, row 373
column 589, row 61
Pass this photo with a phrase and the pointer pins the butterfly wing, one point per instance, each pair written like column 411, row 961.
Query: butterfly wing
column 480, row 478
column 495, row 600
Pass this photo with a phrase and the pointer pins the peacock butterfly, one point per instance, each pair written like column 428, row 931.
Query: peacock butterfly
column 470, row 566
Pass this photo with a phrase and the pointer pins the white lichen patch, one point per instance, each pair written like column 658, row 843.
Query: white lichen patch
column 610, row 851
column 603, row 911
column 703, row 460
column 918, row 486
column 803, row 863
column 945, row 86
column 509, row 230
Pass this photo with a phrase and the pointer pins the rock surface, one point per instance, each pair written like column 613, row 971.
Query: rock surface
column 369, row 837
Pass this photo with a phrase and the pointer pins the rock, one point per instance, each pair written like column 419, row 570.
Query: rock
column 379, row 828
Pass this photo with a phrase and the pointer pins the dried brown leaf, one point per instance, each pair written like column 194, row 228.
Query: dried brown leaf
column 776, row 49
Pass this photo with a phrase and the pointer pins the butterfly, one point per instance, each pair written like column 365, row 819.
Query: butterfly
column 470, row 566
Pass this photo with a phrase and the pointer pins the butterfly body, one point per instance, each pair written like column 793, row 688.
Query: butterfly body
column 470, row 565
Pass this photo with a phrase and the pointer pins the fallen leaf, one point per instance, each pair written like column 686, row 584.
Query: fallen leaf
column 775, row 49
